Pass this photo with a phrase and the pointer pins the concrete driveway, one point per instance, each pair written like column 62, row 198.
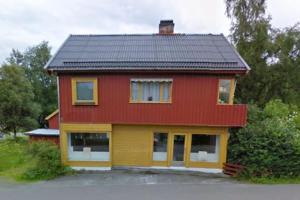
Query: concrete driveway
column 130, row 185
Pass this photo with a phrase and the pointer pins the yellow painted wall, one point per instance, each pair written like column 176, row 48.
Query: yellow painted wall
column 132, row 144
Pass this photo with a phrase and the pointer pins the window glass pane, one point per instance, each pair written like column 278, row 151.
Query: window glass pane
column 205, row 148
column 166, row 91
column 84, row 90
column 88, row 146
column 146, row 92
column 155, row 90
column 160, row 143
column 151, row 91
column 224, row 91
column 134, row 91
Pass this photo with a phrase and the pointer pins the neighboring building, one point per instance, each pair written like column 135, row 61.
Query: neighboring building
column 47, row 134
column 149, row 100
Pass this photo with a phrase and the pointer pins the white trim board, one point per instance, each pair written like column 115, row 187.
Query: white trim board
column 204, row 170
column 92, row 168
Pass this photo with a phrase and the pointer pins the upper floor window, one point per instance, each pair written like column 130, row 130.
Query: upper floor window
column 151, row 90
column 226, row 90
column 84, row 91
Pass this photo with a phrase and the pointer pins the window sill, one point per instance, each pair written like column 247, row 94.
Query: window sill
column 151, row 102
column 225, row 104
column 203, row 162
column 85, row 103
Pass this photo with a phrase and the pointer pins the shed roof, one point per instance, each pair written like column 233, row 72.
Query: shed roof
column 44, row 131
column 146, row 52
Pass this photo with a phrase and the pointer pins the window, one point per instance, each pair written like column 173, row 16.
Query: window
column 84, row 91
column 88, row 146
column 160, row 144
column 205, row 148
column 226, row 91
column 151, row 90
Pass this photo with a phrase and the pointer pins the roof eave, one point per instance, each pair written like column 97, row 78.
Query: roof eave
column 153, row 70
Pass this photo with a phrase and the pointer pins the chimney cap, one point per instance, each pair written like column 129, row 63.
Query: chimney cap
column 166, row 22
column 166, row 27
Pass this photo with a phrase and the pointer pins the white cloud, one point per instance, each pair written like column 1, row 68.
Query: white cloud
column 26, row 23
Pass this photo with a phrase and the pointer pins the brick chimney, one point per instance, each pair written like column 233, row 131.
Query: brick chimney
column 166, row 27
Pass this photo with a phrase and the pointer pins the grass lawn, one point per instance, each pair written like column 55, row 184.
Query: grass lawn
column 14, row 160
column 24, row 161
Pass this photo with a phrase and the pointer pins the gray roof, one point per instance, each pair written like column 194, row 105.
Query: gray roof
column 44, row 131
column 147, row 52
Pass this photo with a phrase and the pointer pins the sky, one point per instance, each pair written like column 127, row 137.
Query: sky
column 25, row 23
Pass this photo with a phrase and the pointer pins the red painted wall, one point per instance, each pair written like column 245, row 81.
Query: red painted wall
column 37, row 138
column 194, row 100
column 53, row 122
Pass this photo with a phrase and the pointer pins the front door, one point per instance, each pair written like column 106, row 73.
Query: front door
column 178, row 150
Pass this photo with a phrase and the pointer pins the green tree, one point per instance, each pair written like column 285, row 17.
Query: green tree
column 18, row 111
column 250, row 34
column 272, row 54
column 16, row 57
column 285, row 69
column 33, row 61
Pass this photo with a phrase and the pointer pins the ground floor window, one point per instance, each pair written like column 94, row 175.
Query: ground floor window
column 88, row 146
column 205, row 148
column 160, row 146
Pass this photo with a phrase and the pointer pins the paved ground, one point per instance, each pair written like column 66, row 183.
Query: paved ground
column 145, row 186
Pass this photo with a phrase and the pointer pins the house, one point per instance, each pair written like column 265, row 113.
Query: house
column 147, row 100
column 50, row 134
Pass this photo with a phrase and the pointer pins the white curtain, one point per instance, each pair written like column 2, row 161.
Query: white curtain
column 134, row 91
column 146, row 91
column 150, row 91
column 155, row 91
column 166, row 91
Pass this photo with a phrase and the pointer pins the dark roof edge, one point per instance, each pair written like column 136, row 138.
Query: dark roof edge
column 237, row 53
column 51, row 59
column 144, row 34
column 187, row 70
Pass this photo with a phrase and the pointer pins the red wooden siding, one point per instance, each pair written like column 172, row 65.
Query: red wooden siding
column 53, row 122
column 194, row 99
column 37, row 138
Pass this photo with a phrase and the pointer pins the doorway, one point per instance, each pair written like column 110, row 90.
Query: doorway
column 179, row 142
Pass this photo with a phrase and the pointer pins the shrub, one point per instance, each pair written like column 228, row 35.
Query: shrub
column 269, row 146
column 47, row 162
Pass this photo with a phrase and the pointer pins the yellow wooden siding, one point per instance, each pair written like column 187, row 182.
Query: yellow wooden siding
column 132, row 145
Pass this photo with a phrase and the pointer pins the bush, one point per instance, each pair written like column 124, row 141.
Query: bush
column 269, row 146
column 47, row 162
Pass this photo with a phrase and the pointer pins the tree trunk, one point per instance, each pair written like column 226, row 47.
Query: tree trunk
column 15, row 133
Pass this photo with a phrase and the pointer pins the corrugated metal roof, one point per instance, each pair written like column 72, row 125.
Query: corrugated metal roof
column 144, row 52
column 44, row 131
